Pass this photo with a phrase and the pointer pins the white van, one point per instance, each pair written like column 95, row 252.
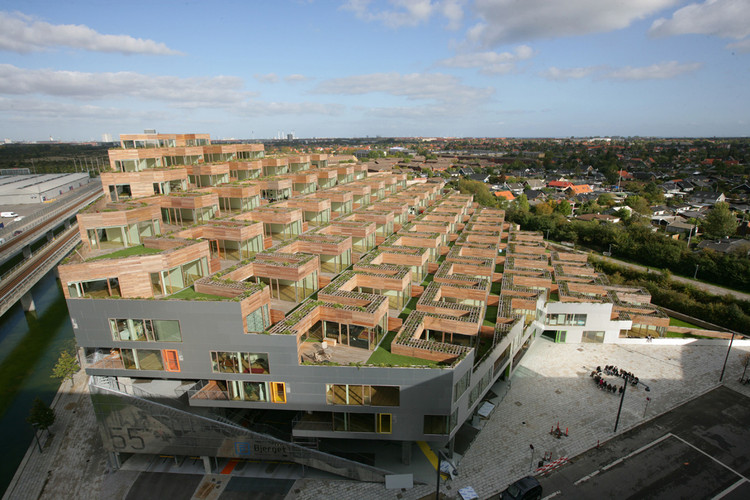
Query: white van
column 8, row 214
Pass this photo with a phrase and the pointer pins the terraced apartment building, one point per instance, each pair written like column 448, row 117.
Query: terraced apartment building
column 233, row 305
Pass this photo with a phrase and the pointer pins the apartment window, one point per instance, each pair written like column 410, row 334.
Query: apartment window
column 385, row 423
column 146, row 330
column 258, row 320
column 362, row 395
column 151, row 359
column 461, row 386
column 239, row 362
column 566, row 319
column 593, row 337
column 354, row 422
column 440, row 424
column 278, row 392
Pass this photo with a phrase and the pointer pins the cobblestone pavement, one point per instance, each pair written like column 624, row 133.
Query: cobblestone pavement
column 552, row 385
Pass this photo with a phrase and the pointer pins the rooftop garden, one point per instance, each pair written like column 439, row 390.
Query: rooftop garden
column 383, row 356
column 127, row 252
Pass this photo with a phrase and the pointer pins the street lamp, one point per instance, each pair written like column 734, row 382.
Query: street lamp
column 622, row 398
column 36, row 436
column 441, row 456
column 695, row 275
column 721, row 377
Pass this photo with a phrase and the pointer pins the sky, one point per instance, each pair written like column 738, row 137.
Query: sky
column 75, row 70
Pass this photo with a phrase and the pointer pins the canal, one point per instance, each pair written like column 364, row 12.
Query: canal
column 29, row 348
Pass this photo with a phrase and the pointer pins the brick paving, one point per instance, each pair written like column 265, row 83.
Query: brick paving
column 552, row 384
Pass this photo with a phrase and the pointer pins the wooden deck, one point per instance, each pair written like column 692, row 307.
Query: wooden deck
column 341, row 354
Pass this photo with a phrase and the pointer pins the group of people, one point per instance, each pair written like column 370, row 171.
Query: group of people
column 602, row 383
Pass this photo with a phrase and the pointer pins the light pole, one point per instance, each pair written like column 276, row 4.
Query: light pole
column 36, row 436
column 622, row 398
column 695, row 275
column 721, row 377
column 441, row 457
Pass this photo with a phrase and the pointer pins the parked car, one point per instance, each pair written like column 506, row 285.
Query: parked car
column 18, row 219
column 17, row 232
column 527, row 488
column 8, row 214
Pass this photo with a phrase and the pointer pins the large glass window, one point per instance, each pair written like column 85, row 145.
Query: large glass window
column 142, row 330
column 150, row 359
column 258, row 320
column 362, row 395
column 239, row 362
column 566, row 319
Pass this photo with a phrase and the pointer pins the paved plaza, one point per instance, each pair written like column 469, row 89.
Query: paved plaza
column 551, row 385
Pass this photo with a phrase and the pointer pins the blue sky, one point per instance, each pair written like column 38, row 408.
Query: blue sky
column 484, row 68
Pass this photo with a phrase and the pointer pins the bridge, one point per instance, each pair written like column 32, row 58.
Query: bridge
column 34, row 246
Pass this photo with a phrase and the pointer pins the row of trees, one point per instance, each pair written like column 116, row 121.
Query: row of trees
column 638, row 243
column 725, row 311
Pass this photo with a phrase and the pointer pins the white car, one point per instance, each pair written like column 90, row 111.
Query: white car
column 19, row 218
column 8, row 214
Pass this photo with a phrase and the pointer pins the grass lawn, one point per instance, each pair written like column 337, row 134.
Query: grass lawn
column 127, row 252
column 499, row 268
column 677, row 322
column 382, row 355
column 190, row 294
column 410, row 306
column 554, row 297
column 490, row 316
column 428, row 279
column 496, row 288
column 676, row 335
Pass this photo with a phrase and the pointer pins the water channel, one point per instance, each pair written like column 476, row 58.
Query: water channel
column 29, row 347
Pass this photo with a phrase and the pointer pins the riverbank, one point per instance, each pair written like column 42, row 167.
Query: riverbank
column 73, row 462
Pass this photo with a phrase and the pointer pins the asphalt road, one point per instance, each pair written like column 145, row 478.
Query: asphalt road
column 699, row 450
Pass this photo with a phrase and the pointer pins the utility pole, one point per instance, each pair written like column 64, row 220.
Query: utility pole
column 695, row 275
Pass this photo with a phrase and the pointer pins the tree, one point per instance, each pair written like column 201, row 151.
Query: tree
column 41, row 416
column 719, row 221
column 523, row 203
column 66, row 367
column 564, row 208
column 639, row 204
column 744, row 362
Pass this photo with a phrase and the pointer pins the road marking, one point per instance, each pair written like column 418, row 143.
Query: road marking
column 428, row 453
column 729, row 490
column 586, row 478
column 639, row 450
column 709, row 456
column 553, row 495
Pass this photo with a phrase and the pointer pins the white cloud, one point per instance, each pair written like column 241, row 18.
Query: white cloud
column 438, row 87
column 741, row 46
column 722, row 18
column 564, row 74
column 259, row 108
column 34, row 109
column 20, row 33
column 296, row 78
column 183, row 92
column 407, row 12
column 267, row 78
column 658, row 71
column 507, row 21
column 495, row 63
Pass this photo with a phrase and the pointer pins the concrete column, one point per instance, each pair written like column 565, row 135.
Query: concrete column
column 67, row 223
column 451, row 446
column 206, row 464
column 50, row 235
column 26, row 252
column 406, row 452
column 27, row 301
